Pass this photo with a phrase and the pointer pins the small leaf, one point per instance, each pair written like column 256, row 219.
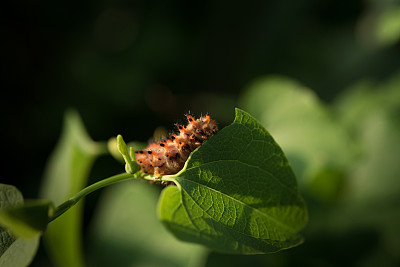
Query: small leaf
column 129, row 156
column 236, row 194
column 16, row 252
column 112, row 146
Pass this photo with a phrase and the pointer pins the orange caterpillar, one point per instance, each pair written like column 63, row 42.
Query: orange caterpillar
column 169, row 155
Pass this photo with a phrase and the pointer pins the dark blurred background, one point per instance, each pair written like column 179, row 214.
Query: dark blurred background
column 130, row 66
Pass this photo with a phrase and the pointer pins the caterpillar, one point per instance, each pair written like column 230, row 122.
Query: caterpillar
column 168, row 156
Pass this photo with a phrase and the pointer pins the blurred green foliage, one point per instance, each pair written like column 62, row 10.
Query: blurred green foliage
column 126, row 231
column 131, row 66
column 66, row 174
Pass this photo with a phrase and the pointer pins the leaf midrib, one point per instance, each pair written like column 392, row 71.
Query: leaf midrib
column 292, row 191
column 240, row 202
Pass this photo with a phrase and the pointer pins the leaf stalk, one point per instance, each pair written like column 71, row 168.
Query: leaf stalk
column 100, row 184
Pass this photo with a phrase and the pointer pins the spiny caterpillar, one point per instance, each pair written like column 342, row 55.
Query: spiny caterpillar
column 168, row 156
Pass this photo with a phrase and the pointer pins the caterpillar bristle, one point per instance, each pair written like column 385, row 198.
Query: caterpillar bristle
column 168, row 155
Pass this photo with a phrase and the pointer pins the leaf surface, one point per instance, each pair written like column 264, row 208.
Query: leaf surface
column 236, row 194
column 14, row 251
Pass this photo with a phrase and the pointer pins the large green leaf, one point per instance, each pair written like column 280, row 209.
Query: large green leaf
column 236, row 194
column 66, row 174
column 14, row 252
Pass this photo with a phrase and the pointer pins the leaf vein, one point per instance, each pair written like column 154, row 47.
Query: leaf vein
column 240, row 202
column 249, row 165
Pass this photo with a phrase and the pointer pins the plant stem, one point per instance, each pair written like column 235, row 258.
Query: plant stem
column 73, row 200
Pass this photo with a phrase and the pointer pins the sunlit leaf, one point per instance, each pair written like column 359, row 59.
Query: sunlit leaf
column 237, row 193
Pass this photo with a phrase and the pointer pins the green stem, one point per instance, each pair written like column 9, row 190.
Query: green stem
column 73, row 200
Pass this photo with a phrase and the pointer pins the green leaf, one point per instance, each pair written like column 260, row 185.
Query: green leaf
column 236, row 194
column 129, row 156
column 14, row 251
column 112, row 146
column 127, row 232
column 66, row 174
